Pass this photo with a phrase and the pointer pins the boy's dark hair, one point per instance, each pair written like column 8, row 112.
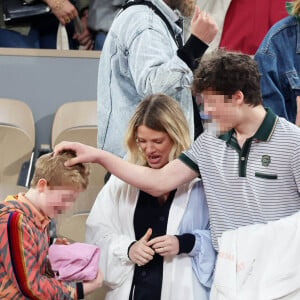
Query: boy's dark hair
column 228, row 72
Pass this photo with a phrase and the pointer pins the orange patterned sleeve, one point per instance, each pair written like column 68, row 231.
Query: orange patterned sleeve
column 28, row 248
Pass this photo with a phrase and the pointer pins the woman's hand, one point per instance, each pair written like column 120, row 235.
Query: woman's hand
column 139, row 252
column 64, row 10
column 165, row 245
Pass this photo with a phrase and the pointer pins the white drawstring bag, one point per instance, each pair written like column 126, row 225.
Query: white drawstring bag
column 62, row 41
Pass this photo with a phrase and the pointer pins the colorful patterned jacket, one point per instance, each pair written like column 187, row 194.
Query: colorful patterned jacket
column 24, row 244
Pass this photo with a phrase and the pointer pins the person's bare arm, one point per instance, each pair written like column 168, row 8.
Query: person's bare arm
column 153, row 181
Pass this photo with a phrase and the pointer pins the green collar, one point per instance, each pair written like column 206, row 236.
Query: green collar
column 263, row 133
column 289, row 7
column 227, row 136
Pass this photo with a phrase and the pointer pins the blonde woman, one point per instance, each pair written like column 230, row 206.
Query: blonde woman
column 153, row 247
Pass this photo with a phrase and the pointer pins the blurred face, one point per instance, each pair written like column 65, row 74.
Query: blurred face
column 220, row 108
column 186, row 7
column 155, row 145
column 57, row 200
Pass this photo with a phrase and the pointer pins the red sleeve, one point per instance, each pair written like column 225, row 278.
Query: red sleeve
column 247, row 22
column 26, row 263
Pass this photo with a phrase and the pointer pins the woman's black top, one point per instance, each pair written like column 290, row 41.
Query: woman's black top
column 149, row 213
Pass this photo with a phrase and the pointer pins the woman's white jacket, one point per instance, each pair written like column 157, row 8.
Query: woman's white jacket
column 110, row 227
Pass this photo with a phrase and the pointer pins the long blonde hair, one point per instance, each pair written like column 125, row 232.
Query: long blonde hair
column 161, row 113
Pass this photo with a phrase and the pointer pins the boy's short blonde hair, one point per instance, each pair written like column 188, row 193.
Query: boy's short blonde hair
column 53, row 170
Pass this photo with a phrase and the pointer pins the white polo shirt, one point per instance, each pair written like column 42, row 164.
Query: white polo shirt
column 255, row 184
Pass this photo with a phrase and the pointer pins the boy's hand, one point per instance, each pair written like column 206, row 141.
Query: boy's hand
column 92, row 285
column 84, row 153
column 61, row 241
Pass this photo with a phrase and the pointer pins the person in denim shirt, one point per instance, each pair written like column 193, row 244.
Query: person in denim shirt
column 278, row 60
column 140, row 57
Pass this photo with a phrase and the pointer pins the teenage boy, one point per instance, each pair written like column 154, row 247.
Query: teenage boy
column 24, row 226
column 250, row 170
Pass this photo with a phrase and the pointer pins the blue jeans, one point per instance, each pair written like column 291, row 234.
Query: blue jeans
column 13, row 39
column 42, row 35
column 99, row 40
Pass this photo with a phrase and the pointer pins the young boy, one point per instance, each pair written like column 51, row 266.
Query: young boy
column 250, row 171
column 24, row 226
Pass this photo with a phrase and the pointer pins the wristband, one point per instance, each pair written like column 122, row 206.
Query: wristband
column 186, row 242
column 129, row 249
column 79, row 289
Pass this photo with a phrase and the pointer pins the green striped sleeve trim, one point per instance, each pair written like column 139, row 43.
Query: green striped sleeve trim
column 187, row 161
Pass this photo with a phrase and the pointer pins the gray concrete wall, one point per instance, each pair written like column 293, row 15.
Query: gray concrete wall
column 45, row 79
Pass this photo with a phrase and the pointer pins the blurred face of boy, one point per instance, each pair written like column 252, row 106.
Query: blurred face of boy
column 221, row 108
column 155, row 145
column 186, row 7
column 56, row 200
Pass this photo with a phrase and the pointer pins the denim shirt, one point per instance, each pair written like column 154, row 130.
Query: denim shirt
column 196, row 221
column 139, row 58
column 278, row 59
